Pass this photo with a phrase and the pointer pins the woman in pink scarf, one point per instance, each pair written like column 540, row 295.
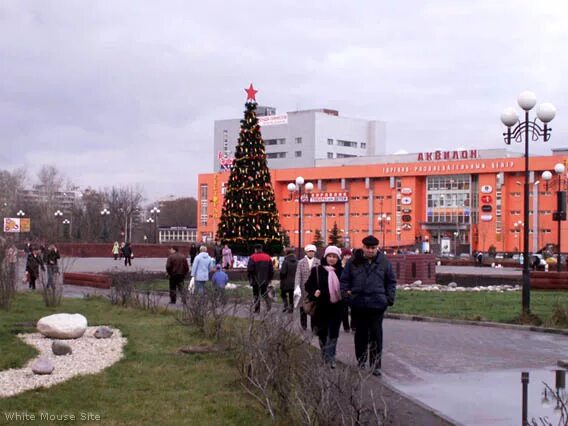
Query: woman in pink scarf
column 323, row 288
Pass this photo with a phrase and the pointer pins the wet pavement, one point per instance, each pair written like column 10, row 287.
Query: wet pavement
column 472, row 374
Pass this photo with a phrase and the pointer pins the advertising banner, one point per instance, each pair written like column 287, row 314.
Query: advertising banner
column 11, row 224
column 16, row 225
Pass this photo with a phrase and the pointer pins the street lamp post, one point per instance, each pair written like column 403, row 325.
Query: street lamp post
column 20, row 213
column 296, row 188
column 57, row 215
column 560, row 214
column 456, row 235
column 105, row 213
column 384, row 220
column 67, row 222
column 150, row 222
column 155, row 211
column 509, row 117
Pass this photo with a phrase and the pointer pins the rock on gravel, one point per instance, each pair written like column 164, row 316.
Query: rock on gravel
column 43, row 366
column 103, row 333
column 62, row 326
column 61, row 348
column 90, row 356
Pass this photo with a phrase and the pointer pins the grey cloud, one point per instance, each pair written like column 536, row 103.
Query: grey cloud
column 127, row 92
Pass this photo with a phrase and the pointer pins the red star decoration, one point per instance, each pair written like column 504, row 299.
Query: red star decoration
column 251, row 93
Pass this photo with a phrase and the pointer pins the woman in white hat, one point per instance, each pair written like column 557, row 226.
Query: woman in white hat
column 323, row 288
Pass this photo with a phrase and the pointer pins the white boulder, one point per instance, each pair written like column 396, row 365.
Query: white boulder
column 62, row 326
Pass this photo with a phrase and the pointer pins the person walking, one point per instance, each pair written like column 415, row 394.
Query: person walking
column 219, row 281
column 369, row 285
column 177, row 269
column 218, row 253
column 323, row 288
column 127, row 253
column 115, row 250
column 227, row 257
column 33, row 265
column 348, row 326
column 260, row 274
column 192, row 252
column 287, row 280
column 305, row 265
column 51, row 259
column 200, row 269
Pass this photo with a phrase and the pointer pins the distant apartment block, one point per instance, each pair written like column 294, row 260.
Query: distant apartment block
column 299, row 138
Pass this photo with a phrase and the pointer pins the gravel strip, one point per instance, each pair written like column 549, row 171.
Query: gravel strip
column 90, row 356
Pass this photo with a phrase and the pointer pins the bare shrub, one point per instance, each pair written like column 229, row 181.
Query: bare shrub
column 560, row 405
column 7, row 276
column 559, row 316
column 287, row 376
column 147, row 300
column 123, row 286
column 209, row 312
column 52, row 294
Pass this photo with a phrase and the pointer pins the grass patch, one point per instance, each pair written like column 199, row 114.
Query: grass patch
column 483, row 306
column 164, row 286
column 153, row 384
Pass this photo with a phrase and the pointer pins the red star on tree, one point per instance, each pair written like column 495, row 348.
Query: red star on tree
column 251, row 93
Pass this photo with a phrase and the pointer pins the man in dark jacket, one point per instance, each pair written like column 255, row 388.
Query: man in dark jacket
column 127, row 253
column 287, row 279
column 177, row 268
column 260, row 273
column 369, row 284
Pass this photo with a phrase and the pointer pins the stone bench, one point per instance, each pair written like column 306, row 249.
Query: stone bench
column 87, row 280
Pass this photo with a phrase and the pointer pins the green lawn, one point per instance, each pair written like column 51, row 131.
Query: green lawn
column 153, row 384
column 499, row 307
column 243, row 289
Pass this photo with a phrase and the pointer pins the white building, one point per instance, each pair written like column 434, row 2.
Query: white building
column 299, row 138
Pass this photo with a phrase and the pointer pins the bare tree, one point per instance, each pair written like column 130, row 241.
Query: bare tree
column 180, row 212
column 10, row 184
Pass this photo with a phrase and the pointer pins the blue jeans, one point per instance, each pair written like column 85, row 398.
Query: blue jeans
column 200, row 287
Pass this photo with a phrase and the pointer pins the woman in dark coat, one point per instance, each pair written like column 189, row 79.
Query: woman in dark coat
column 33, row 264
column 323, row 288
column 287, row 279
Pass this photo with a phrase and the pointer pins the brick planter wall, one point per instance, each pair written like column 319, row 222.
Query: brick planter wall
column 105, row 250
column 463, row 280
column 409, row 268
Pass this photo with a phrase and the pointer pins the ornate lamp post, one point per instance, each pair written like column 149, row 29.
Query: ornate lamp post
column 384, row 220
column 57, row 215
column 105, row 213
column 509, row 117
column 560, row 214
column 296, row 188
column 155, row 211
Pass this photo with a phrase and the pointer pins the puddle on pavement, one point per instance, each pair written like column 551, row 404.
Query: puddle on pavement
column 493, row 398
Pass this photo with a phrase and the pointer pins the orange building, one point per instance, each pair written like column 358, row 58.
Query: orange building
column 447, row 202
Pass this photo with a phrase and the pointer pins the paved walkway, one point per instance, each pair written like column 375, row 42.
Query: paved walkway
column 469, row 373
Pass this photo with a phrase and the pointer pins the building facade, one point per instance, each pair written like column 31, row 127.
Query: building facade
column 445, row 202
column 299, row 138
column 176, row 234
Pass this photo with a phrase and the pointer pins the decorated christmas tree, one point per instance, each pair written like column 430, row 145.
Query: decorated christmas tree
column 249, row 214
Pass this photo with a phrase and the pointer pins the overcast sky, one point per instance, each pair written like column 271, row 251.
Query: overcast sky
column 126, row 92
